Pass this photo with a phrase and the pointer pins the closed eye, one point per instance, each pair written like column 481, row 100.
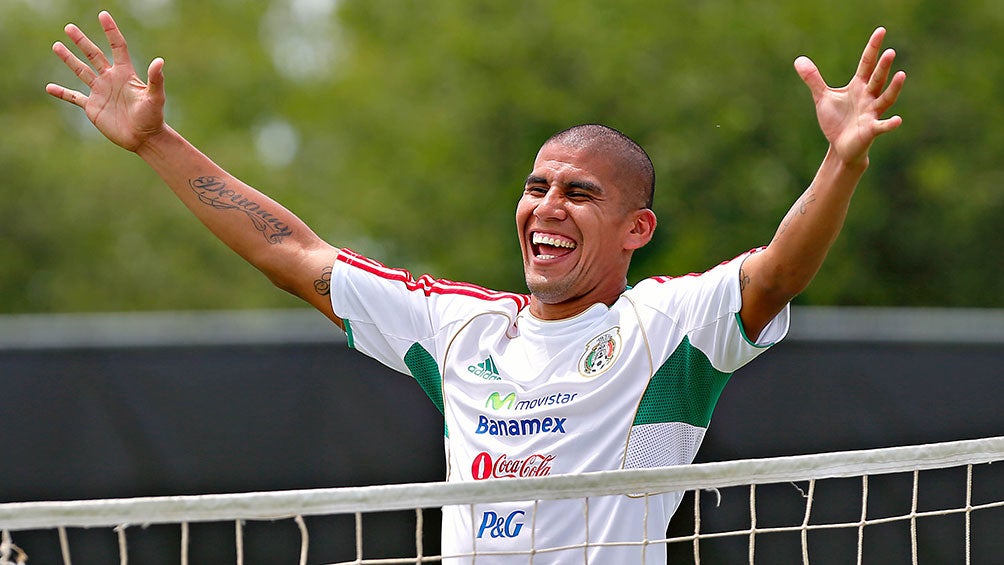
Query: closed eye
column 582, row 190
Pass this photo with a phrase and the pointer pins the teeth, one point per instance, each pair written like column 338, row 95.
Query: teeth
column 554, row 242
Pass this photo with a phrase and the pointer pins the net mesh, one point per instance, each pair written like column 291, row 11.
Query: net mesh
column 933, row 503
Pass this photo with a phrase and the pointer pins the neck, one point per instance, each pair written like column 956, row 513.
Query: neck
column 571, row 307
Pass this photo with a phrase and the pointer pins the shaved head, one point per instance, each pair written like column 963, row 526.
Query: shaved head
column 635, row 167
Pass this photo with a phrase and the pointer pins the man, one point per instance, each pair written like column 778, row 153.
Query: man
column 584, row 373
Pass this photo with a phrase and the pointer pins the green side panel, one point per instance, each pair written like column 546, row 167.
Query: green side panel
column 423, row 367
column 684, row 389
column 348, row 334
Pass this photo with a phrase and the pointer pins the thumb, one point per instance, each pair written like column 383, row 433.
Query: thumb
column 807, row 70
column 155, row 79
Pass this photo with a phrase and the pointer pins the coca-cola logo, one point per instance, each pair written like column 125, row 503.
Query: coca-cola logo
column 485, row 466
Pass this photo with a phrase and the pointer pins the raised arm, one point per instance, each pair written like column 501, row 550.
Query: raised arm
column 850, row 118
column 130, row 113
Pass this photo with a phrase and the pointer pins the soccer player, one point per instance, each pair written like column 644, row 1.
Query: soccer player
column 582, row 374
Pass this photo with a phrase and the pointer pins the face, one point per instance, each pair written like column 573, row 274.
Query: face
column 577, row 231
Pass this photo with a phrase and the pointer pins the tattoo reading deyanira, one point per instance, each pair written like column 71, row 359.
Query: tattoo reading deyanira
column 213, row 191
column 323, row 285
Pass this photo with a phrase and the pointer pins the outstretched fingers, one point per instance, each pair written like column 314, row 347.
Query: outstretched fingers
column 851, row 116
column 880, row 75
column 870, row 56
column 886, row 125
column 88, row 47
column 99, row 63
column 886, row 101
column 79, row 68
column 119, row 104
column 63, row 93
column 120, row 51
column 874, row 70
column 891, row 93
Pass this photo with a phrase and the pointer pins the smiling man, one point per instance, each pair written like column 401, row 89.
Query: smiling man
column 581, row 374
column 586, row 207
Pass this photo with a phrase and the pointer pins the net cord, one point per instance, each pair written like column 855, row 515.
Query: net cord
column 969, row 512
column 349, row 500
column 64, row 546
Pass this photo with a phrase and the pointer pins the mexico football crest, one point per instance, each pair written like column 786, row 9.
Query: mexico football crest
column 601, row 352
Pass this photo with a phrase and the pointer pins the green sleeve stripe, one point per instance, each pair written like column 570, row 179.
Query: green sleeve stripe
column 685, row 389
column 742, row 330
column 423, row 367
column 348, row 334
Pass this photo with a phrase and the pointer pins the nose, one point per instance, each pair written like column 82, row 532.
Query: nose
column 551, row 207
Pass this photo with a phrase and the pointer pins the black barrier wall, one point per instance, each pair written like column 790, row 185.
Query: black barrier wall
column 89, row 412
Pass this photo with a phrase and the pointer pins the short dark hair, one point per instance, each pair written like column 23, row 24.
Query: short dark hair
column 621, row 147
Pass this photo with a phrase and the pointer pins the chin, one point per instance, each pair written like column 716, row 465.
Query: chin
column 547, row 291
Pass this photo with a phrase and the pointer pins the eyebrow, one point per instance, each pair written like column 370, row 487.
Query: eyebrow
column 535, row 180
column 587, row 186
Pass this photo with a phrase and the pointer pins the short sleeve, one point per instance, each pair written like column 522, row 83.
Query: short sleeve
column 388, row 313
column 704, row 308
column 383, row 317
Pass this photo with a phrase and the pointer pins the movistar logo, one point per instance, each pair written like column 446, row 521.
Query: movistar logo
column 511, row 402
column 496, row 402
column 486, row 369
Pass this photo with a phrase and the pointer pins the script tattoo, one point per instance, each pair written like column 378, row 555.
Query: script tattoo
column 323, row 285
column 744, row 279
column 213, row 191
column 799, row 209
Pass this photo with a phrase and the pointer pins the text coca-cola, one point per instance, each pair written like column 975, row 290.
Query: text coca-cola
column 504, row 467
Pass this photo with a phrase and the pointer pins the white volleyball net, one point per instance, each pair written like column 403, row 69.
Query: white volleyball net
column 939, row 503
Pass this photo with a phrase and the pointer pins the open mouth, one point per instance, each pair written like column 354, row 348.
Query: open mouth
column 551, row 246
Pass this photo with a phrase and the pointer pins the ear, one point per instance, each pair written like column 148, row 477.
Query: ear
column 642, row 228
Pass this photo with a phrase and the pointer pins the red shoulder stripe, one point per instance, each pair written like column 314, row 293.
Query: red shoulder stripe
column 427, row 284
column 667, row 278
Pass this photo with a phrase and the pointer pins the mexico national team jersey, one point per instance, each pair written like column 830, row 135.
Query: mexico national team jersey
column 632, row 385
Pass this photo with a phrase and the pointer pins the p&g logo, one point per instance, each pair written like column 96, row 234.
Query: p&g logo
column 501, row 526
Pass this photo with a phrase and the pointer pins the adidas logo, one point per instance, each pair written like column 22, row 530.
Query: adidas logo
column 486, row 370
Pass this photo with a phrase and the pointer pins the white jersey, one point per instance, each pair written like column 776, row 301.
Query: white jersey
column 627, row 386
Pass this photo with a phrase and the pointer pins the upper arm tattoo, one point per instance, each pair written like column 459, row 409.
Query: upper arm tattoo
column 323, row 285
column 212, row 191
column 744, row 279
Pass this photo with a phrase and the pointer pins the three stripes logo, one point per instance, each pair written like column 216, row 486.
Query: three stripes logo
column 486, row 369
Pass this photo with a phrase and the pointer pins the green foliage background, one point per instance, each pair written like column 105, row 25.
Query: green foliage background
column 415, row 123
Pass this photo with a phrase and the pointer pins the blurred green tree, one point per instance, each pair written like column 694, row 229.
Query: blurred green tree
column 405, row 129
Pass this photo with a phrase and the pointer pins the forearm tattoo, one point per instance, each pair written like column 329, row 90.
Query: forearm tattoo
column 323, row 285
column 213, row 191
column 799, row 209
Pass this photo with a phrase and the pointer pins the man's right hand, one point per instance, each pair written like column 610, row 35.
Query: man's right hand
column 124, row 108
